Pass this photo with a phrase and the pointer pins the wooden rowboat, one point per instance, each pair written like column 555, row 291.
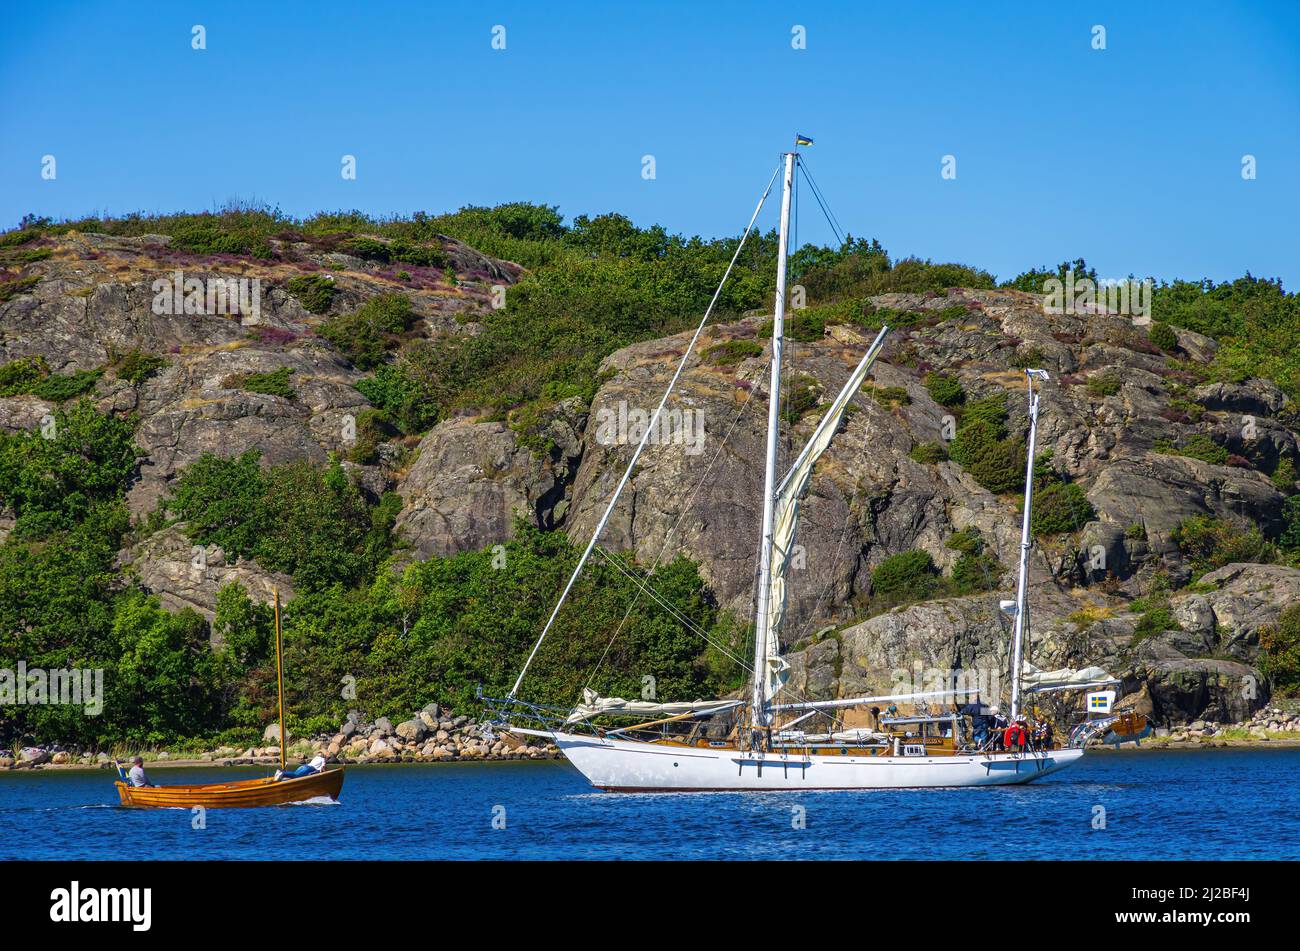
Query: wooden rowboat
column 263, row 791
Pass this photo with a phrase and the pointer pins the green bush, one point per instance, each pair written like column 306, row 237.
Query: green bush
column 58, row 387
column 309, row 522
column 1198, row 446
column 19, row 285
column 18, row 377
column 802, row 326
column 802, row 395
column 732, row 352
column 1154, row 620
column 366, row 335
column 974, row 573
column 976, row 570
column 271, row 383
column 135, row 366
column 910, row 571
column 1163, row 336
column 53, row 480
column 223, row 502
column 889, row 395
column 315, row 292
column 12, row 239
column 1283, row 477
column 373, row 428
column 396, row 250
column 968, row 541
column 1280, row 658
column 221, row 234
column 945, row 390
column 1289, row 539
column 983, row 448
column 929, row 452
column 1059, row 507
column 408, row 391
column 31, row 376
column 24, row 256
column 1104, row 384
column 1209, row 543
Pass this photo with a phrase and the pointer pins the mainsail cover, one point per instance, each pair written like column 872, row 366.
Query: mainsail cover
column 594, row 705
column 786, row 516
column 1062, row 679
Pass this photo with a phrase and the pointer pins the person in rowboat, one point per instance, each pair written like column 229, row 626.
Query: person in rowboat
column 136, row 776
column 306, row 769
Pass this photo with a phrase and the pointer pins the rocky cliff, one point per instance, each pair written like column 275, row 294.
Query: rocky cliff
column 1116, row 418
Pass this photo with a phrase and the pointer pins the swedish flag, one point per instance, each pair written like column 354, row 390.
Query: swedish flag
column 800, row 139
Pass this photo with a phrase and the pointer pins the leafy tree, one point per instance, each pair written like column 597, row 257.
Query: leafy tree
column 1280, row 660
column 223, row 502
column 244, row 627
column 166, row 677
column 54, row 480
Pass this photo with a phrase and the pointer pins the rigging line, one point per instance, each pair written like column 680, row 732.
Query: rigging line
column 821, row 200
column 652, row 426
column 669, row 607
column 744, row 407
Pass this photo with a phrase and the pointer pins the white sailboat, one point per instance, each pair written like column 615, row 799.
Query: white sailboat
column 762, row 749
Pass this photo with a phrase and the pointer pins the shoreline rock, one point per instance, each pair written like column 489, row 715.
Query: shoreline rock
column 433, row 735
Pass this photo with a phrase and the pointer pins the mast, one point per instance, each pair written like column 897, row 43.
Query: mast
column 1022, row 585
column 651, row 427
column 760, row 713
column 279, row 674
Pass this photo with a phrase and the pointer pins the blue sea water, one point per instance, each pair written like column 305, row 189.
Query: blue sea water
column 1221, row 804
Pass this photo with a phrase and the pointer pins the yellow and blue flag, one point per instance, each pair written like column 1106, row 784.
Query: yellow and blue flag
column 800, row 139
column 1101, row 702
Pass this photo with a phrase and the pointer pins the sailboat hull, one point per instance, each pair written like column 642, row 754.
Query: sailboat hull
column 628, row 766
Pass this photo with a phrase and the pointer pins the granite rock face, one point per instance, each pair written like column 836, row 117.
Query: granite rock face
column 870, row 499
column 98, row 300
column 186, row 575
column 1114, row 416
column 472, row 479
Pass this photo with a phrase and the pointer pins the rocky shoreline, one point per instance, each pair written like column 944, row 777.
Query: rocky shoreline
column 435, row 735
column 432, row 735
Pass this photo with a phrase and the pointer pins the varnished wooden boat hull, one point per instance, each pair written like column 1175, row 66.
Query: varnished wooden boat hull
column 245, row 793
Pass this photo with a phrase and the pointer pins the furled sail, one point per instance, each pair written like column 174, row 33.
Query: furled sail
column 594, row 705
column 1066, row 678
column 786, row 517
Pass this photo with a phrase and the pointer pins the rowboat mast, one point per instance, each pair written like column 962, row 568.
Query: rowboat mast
column 242, row 793
column 279, row 675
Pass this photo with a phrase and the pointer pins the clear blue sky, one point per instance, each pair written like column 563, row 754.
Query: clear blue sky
column 1130, row 157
